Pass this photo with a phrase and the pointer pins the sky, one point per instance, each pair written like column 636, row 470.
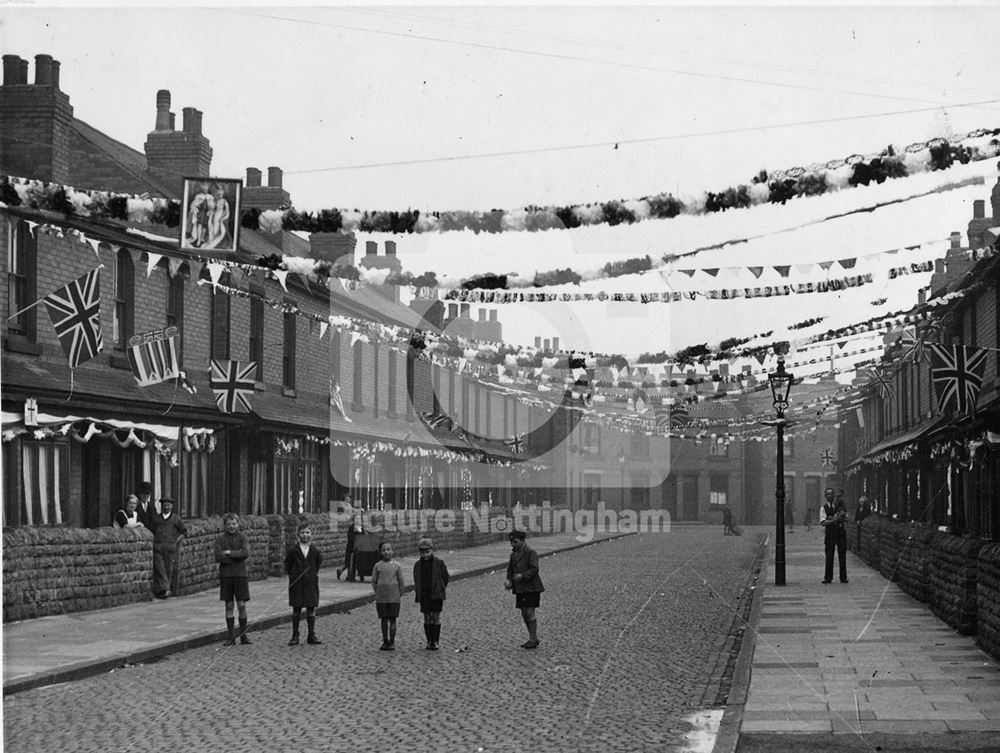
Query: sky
column 444, row 108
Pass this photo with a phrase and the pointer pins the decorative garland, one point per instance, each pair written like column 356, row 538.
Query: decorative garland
column 776, row 188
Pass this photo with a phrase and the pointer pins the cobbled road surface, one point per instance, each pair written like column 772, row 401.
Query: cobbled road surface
column 636, row 635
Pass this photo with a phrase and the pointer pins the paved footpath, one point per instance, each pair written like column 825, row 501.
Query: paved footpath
column 59, row 648
column 860, row 666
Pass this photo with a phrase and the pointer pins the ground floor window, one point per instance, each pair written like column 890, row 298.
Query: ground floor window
column 44, row 483
column 718, row 490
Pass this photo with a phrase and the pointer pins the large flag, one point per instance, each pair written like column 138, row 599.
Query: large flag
column 957, row 375
column 233, row 382
column 75, row 311
column 662, row 418
column 153, row 356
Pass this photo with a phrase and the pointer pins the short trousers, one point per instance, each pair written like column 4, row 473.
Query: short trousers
column 234, row 587
column 527, row 600
column 387, row 610
column 431, row 606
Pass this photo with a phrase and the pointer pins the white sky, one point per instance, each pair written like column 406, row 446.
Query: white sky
column 696, row 99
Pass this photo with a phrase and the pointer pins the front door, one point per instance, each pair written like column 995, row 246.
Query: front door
column 689, row 497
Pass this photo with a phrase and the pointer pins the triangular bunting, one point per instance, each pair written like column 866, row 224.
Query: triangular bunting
column 756, row 271
column 782, row 269
column 151, row 261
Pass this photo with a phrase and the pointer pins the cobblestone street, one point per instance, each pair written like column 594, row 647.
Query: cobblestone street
column 635, row 639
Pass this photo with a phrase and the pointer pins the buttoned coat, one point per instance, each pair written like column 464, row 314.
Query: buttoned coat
column 525, row 563
column 439, row 579
column 303, row 576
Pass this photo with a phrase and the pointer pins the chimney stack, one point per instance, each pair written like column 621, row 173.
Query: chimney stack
column 43, row 70
column 178, row 154
column 482, row 315
column 163, row 114
column 371, row 248
column 546, row 344
column 555, row 341
column 36, row 121
column 336, row 248
column 538, row 342
column 271, row 196
column 390, row 248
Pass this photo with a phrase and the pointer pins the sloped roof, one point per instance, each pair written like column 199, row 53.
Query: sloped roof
column 99, row 162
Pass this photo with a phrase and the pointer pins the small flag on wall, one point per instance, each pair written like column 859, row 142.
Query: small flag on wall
column 233, row 383
column 153, row 356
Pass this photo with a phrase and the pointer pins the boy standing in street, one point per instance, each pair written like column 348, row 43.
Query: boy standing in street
column 302, row 563
column 523, row 580
column 231, row 552
column 430, row 578
column 168, row 530
column 387, row 581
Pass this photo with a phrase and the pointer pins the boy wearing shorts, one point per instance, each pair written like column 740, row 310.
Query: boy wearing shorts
column 523, row 580
column 387, row 580
column 231, row 552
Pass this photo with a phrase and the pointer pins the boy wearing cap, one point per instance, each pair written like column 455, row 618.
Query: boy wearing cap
column 231, row 552
column 168, row 530
column 523, row 580
column 302, row 563
column 430, row 579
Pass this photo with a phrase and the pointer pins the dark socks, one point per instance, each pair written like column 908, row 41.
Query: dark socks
column 435, row 633
column 385, row 630
column 428, row 632
column 532, row 629
column 230, row 627
column 244, row 639
column 392, row 632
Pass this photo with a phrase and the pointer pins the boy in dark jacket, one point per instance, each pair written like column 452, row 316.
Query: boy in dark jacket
column 302, row 563
column 430, row 579
column 231, row 552
column 523, row 580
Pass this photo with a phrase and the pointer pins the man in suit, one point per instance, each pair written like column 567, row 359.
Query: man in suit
column 832, row 516
column 168, row 530
column 145, row 510
column 523, row 580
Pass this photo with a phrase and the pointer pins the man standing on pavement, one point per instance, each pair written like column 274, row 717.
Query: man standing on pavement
column 832, row 516
column 231, row 552
column 168, row 530
column 523, row 580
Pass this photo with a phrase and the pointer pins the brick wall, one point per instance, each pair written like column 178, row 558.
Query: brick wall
column 952, row 576
column 61, row 570
column 988, row 599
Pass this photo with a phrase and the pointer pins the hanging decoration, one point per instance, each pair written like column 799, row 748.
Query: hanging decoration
column 776, row 187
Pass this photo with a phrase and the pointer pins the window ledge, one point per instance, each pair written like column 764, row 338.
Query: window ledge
column 391, row 414
column 357, row 408
column 21, row 344
column 289, row 392
column 260, row 387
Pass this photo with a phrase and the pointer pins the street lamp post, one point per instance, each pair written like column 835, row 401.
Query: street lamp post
column 621, row 465
column 781, row 385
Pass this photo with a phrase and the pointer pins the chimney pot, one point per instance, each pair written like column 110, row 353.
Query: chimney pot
column 11, row 70
column 173, row 121
column 555, row 342
column 197, row 122
column 188, row 119
column 452, row 310
column 921, row 296
column 465, row 310
column 43, row 70
column 371, row 248
column 538, row 342
column 22, row 73
column 55, row 74
column 956, row 240
column 493, row 315
column 390, row 248
column 979, row 209
column 482, row 315
column 164, row 118
column 253, row 177
column 939, row 266
column 274, row 177
column 546, row 344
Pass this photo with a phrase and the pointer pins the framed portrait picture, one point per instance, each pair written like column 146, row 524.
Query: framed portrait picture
column 210, row 215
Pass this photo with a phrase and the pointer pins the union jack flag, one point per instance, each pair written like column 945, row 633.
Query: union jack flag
column 957, row 374
column 882, row 380
column 915, row 342
column 826, row 458
column 661, row 417
column 678, row 415
column 515, row 443
column 75, row 311
column 233, row 382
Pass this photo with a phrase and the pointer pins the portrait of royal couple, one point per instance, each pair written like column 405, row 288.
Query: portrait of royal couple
column 208, row 218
